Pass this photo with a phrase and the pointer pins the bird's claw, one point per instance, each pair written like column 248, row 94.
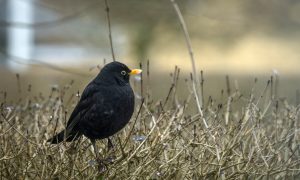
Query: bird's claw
column 102, row 166
column 103, row 163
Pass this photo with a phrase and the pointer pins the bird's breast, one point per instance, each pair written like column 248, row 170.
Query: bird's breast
column 122, row 101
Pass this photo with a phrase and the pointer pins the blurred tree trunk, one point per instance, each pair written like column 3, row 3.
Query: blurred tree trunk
column 3, row 32
column 20, row 39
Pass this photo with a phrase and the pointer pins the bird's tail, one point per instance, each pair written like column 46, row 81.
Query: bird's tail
column 61, row 137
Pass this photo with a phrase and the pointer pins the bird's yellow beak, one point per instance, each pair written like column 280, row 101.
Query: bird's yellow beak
column 135, row 71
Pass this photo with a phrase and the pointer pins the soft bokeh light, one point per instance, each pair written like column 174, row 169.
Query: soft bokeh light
column 238, row 38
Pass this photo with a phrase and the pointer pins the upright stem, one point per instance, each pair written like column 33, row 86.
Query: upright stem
column 109, row 29
column 189, row 46
column 195, row 77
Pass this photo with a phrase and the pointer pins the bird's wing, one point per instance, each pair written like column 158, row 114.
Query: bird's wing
column 85, row 103
column 102, row 111
column 95, row 104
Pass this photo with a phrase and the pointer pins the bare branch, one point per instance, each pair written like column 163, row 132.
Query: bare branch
column 109, row 30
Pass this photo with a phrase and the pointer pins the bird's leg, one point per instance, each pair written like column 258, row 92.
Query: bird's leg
column 95, row 148
column 110, row 145
column 101, row 165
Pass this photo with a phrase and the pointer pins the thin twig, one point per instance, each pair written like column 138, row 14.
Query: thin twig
column 142, row 81
column 195, row 81
column 204, row 120
column 189, row 46
column 21, row 134
column 109, row 30
column 131, row 130
column 202, row 86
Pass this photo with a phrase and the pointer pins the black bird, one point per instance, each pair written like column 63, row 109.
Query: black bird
column 105, row 107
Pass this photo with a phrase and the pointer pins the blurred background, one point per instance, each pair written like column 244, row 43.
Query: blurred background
column 51, row 42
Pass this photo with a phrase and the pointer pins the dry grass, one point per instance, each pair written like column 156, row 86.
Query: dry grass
column 240, row 137
column 257, row 138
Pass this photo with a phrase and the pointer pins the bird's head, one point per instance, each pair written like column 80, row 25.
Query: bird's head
column 116, row 73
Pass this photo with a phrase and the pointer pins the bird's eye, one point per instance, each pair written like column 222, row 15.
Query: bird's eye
column 123, row 73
